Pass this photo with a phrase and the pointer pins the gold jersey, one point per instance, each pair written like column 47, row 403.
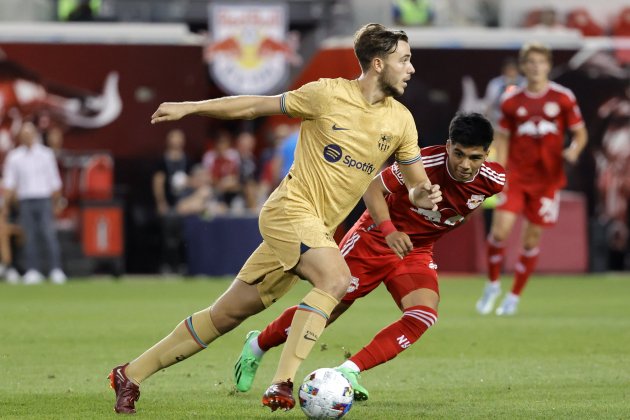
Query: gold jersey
column 343, row 142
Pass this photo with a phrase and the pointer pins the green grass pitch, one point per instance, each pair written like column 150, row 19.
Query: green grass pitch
column 566, row 355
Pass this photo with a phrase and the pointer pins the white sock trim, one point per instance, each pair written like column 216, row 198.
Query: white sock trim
column 256, row 348
column 349, row 364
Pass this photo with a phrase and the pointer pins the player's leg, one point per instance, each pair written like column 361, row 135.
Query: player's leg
column 326, row 269
column 524, row 268
column 189, row 337
column 257, row 343
column 502, row 224
column 417, row 295
column 541, row 210
column 259, row 282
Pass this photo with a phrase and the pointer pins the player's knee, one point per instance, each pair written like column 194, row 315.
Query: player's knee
column 336, row 285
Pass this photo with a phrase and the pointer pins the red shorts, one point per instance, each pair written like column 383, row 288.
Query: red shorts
column 370, row 268
column 540, row 205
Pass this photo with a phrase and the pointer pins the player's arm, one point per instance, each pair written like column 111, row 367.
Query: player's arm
column 421, row 192
column 8, row 195
column 501, row 146
column 578, row 143
column 245, row 107
column 374, row 198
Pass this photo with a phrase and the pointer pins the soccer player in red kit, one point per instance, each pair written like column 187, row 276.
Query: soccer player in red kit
column 392, row 243
column 530, row 144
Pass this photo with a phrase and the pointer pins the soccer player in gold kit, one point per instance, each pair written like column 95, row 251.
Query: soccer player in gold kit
column 349, row 129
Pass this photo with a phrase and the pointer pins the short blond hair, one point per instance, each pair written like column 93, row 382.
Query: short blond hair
column 534, row 47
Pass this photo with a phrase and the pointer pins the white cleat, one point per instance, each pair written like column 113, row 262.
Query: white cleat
column 490, row 294
column 508, row 306
column 32, row 277
column 12, row 276
column 57, row 276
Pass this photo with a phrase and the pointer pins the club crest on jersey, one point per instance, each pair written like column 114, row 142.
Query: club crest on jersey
column 385, row 142
column 475, row 201
column 551, row 109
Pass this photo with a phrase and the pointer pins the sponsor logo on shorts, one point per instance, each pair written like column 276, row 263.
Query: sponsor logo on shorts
column 354, row 285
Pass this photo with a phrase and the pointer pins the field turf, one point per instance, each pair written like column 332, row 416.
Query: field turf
column 566, row 355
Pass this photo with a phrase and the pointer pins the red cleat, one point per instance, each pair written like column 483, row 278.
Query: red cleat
column 127, row 393
column 279, row 395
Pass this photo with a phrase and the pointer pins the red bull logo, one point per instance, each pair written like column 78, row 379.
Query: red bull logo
column 250, row 49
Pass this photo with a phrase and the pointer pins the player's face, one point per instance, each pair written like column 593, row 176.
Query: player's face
column 464, row 162
column 536, row 67
column 397, row 70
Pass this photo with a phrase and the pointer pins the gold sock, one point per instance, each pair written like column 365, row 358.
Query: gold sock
column 308, row 323
column 189, row 337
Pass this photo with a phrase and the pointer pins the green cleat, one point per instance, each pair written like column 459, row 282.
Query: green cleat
column 247, row 364
column 360, row 393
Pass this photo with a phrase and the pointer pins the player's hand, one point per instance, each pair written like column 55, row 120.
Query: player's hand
column 170, row 111
column 400, row 243
column 426, row 196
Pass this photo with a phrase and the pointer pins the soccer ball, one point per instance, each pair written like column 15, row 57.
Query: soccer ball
column 326, row 394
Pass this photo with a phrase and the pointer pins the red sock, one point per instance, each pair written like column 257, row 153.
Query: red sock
column 524, row 267
column 495, row 258
column 275, row 333
column 396, row 337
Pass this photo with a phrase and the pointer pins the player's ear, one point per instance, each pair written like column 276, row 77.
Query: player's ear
column 448, row 146
column 378, row 64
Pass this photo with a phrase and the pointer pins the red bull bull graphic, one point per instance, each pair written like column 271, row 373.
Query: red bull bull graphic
column 250, row 50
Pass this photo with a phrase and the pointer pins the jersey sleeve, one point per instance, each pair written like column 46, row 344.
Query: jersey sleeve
column 572, row 111
column 309, row 101
column 506, row 121
column 392, row 179
column 408, row 151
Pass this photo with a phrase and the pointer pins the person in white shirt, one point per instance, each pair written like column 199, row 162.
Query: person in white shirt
column 31, row 175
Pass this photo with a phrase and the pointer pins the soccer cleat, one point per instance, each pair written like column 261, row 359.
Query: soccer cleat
column 127, row 393
column 279, row 395
column 57, row 276
column 360, row 393
column 509, row 305
column 32, row 277
column 247, row 364
column 490, row 294
column 12, row 276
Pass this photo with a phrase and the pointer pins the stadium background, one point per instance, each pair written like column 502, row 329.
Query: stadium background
column 154, row 51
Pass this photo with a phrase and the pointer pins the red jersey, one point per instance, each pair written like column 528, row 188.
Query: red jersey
column 459, row 199
column 536, row 123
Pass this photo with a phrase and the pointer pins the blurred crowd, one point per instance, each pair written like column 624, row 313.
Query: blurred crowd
column 231, row 178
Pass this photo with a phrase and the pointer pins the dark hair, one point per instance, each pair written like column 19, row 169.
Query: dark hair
column 471, row 130
column 375, row 40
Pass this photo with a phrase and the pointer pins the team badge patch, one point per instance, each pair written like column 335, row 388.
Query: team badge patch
column 475, row 201
column 551, row 109
column 385, row 142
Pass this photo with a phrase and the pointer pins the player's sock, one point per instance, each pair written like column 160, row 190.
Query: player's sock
column 349, row 364
column 524, row 268
column 396, row 337
column 189, row 337
column 308, row 323
column 276, row 333
column 496, row 251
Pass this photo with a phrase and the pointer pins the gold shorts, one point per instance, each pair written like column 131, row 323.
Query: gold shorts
column 286, row 235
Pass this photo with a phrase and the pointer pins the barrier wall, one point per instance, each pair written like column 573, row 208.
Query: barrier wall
column 221, row 246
